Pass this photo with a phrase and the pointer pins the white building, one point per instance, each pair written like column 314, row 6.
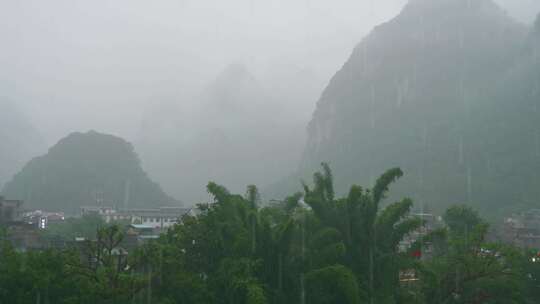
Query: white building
column 160, row 218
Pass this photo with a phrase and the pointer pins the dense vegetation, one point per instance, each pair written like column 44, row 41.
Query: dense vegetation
column 314, row 247
column 449, row 91
column 86, row 169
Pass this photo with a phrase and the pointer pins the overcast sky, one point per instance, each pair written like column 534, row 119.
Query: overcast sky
column 77, row 65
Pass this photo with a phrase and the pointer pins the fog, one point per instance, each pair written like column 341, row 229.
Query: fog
column 269, row 151
column 127, row 67
column 78, row 65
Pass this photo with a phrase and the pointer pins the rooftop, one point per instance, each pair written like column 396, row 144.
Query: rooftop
column 141, row 226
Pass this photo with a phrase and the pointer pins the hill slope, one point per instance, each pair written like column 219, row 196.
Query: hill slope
column 237, row 135
column 19, row 141
column 84, row 168
column 424, row 92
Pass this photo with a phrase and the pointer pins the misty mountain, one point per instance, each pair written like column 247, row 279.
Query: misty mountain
column 19, row 140
column 86, row 169
column 522, row 10
column 236, row 126
column 440, row 91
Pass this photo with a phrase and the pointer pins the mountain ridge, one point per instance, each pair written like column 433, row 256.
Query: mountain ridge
column 414, row 94
column 86, row 169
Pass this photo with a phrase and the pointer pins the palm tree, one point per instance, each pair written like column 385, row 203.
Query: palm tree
column 256, row 234
column 371, row 236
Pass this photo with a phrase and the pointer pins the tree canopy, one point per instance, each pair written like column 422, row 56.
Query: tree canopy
column 313, row 247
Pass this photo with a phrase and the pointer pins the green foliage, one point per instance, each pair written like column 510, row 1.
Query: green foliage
column 472, row 270
column 333, row 284
column 532, row 269
column 364, row 235
column 239, row 251
column 461, row 219
column 86, row 227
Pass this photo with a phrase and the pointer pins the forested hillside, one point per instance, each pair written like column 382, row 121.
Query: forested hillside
column 86, row 169
column 448, row 90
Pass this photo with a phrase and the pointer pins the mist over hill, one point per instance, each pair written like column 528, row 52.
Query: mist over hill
column 523, row 11
column 162, row 82
column 19, row 140
column 446, row 90
column 328, row 152
column 238, row 134
column 86, row 169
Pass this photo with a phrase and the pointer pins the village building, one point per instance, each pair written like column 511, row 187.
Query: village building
column 430, row 223
column 10, row 210
column 159, row 218
column 42, row 219
column 21, row 234
column 522, row 230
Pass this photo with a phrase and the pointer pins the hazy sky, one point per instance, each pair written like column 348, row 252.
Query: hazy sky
column 97, row 64
column 78, row 65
